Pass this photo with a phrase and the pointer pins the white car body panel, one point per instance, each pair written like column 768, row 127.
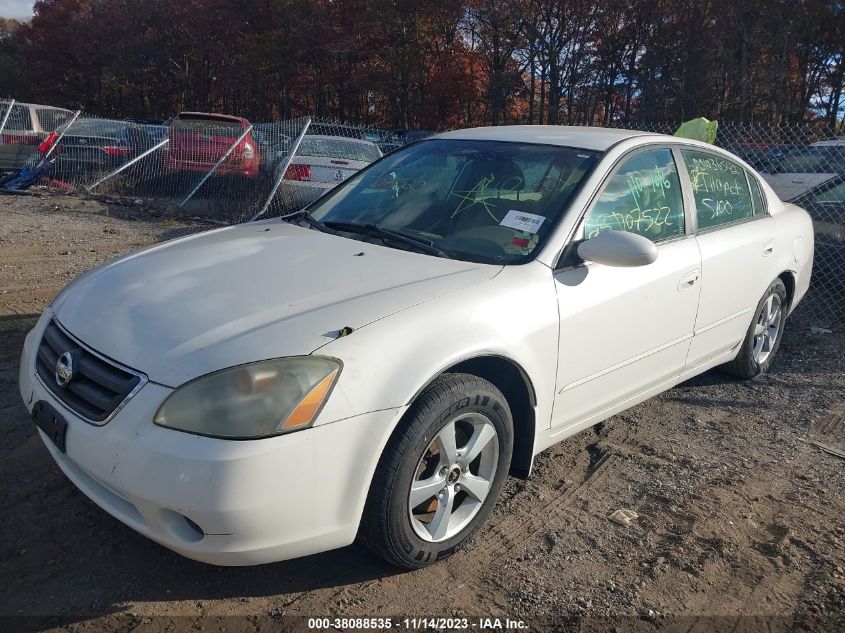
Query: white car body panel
column 176, row 327
column 525, row 331
column 265, row 290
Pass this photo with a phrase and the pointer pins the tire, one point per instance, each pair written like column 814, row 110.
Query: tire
column 468, row 409
column 753, row 360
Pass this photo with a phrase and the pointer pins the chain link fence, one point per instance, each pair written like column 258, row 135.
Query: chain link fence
column 232, row 170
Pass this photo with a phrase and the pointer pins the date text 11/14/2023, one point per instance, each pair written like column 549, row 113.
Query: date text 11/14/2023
column 418, row 623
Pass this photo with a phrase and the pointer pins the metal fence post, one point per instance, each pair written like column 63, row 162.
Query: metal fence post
column 59, row 139
column 6, row 116
column 115, row 172
column 291, row 152
column 216, row 165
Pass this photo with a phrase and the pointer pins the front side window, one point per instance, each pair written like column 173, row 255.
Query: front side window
column 486, row 201
column 644, row 197
column 720, row 189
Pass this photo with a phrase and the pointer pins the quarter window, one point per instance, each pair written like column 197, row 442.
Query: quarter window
column 720, row 189
column 757, row 196
column 643, row 197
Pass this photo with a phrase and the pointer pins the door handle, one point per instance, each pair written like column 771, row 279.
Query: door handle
column 768, row 248
column 688, row 280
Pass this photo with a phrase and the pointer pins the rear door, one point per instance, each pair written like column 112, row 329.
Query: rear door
column 737, row 240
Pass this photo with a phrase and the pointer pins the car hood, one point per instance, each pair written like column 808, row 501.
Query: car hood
column 194, row 305
column 788, row 186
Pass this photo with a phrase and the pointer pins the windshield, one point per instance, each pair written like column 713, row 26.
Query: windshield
column 208, row 126
column 486, row 201
column 95, row 127
column 814, row 160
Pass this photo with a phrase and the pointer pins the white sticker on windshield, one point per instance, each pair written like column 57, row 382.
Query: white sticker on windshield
column 523, row 221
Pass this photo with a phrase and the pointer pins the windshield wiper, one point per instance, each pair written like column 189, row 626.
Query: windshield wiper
column 303, row 216
column 375, row 230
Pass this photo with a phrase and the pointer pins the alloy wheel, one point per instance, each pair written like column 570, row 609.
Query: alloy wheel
column 767, row 329
column 453, row 477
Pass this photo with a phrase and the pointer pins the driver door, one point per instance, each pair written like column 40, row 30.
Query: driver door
column 625, row 332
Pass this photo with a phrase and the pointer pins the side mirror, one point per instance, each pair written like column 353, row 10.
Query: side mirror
column 618, row 248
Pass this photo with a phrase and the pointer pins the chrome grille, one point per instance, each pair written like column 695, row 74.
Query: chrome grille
column 98, row 386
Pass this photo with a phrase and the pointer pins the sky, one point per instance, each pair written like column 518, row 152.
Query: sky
column 21, row 9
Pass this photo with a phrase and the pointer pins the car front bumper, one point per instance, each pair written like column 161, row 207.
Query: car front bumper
column 218, row 501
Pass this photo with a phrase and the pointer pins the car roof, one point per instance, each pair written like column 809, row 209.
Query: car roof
column 839, row 142
column 594, row 138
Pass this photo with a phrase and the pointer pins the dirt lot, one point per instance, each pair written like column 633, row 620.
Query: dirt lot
column 740, row 517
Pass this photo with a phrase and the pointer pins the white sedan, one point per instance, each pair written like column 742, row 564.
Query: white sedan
column 377, row 364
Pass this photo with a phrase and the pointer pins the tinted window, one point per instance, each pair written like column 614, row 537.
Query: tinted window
column 643, row 197
column 757, row 196
column 720, row 189
column 486, row 201
column 209, row 127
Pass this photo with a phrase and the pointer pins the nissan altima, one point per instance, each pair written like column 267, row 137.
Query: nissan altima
column 377, row 364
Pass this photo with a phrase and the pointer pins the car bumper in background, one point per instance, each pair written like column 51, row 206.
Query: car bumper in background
column 248, row 170
column 218, row 501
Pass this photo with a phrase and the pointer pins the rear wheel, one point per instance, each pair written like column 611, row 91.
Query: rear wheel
column 763, row 337
column 441, row 472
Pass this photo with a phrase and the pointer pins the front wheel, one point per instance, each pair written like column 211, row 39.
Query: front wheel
column 763, row 337
column 441, row 472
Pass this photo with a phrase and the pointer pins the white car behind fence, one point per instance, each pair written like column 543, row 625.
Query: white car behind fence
column 320, row 164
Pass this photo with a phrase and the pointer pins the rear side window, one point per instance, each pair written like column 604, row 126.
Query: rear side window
column 18, row 119
column 720, row 189
column 643, row 197
column 757, row 197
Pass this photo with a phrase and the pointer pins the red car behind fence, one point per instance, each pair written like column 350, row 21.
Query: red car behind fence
column 198, row 140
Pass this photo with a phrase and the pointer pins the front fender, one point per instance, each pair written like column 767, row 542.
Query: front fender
column 514, row 316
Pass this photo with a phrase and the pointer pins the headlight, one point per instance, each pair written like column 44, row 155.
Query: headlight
column 250, row 401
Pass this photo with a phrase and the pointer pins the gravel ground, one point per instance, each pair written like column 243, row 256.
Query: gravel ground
column 740, row 522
